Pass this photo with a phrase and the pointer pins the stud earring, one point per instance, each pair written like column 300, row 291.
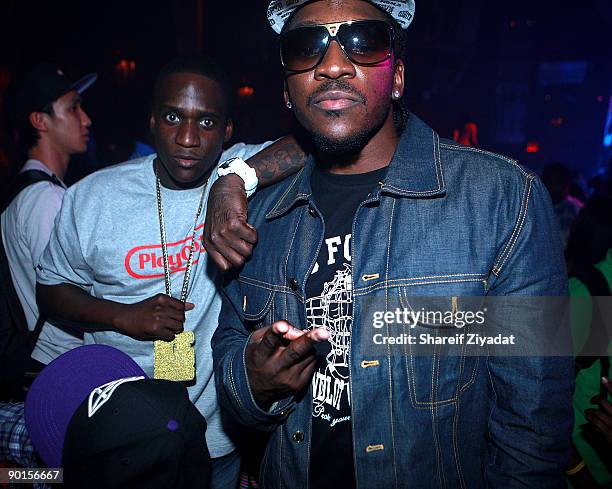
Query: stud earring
column 289, row 105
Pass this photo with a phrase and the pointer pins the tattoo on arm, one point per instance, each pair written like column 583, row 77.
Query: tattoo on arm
column 279, row 160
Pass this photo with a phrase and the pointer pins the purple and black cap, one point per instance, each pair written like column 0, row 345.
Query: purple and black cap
column 94, row 412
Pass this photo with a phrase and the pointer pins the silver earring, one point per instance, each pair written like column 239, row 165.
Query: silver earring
column 289, row 105
column 396, row 94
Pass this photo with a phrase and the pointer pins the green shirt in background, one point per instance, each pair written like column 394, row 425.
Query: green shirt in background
column 588, row 380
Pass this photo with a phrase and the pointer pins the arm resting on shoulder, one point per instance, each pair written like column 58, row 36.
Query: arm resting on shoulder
column 228, row 237
column 278, row 161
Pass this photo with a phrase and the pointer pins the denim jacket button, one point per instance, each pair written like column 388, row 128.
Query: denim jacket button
column 311, row 211
column 298, row 436
column 293, row 284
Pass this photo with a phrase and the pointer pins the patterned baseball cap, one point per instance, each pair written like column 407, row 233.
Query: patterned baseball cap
column 280, row 10
column 94, row 412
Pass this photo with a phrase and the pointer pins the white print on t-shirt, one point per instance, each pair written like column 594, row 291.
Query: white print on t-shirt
column 333, row 310
column 333, row 247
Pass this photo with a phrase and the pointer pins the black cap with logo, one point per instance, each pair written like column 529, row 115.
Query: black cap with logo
column 147, row 436
column 43, row 84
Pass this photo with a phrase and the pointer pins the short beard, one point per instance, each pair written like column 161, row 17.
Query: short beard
column 342, row 152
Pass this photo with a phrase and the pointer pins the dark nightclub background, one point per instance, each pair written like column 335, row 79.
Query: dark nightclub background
column 532, row 78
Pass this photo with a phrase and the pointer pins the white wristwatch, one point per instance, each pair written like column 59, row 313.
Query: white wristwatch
column 237, row 166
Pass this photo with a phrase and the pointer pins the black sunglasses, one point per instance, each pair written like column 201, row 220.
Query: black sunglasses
column 365, row 42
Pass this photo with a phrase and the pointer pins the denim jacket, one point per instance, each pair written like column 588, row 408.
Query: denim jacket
column 446, row 220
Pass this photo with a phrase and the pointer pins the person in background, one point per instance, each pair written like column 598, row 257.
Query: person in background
column 52, row 126
column 589, row 258
column 558, row 180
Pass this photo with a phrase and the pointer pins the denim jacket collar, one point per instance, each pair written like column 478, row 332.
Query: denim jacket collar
column 415, row 170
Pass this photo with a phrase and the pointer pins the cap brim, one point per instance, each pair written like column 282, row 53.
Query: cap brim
column 84, row 83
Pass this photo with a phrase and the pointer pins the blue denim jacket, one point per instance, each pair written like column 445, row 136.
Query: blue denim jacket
column 446, row 220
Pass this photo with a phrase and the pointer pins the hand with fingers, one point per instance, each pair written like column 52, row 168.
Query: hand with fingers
column 280, row 360
column 160, row 317
column 601, row 419
column 228, row 237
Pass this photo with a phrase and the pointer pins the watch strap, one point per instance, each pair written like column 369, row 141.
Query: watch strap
column 238, row 166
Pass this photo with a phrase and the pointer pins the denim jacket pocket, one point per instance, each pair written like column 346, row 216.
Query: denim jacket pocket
column 257, row 302
column 437, row 373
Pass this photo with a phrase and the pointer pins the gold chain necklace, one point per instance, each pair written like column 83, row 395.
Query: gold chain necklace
column 175, row 360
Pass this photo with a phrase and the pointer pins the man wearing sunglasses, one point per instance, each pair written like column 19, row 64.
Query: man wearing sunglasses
column 386, row 211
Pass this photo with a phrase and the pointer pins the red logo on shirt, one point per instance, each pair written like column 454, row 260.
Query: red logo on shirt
column 147, row 261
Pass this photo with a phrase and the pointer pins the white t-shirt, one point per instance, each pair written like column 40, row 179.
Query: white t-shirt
column 107, row 241
column 26, row 225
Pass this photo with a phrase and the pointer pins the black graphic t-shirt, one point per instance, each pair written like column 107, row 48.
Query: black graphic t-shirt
column 329, row 304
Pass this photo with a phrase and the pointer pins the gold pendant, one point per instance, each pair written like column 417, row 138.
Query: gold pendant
column 175, row 360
